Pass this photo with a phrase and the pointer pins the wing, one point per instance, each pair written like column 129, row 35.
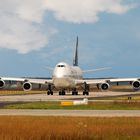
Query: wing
column 104, row 84
column 26, row 82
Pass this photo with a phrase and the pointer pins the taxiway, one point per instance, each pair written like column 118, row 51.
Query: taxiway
column 56, row 97
column 70, row 113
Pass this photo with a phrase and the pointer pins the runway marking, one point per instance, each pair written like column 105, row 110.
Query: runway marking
column 70, row 113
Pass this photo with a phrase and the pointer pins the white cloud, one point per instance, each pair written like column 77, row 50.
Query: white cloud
column 85, row 11
column 21, row 26
column 20, row 35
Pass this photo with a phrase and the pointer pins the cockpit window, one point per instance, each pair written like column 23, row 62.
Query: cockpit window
column 60, row 65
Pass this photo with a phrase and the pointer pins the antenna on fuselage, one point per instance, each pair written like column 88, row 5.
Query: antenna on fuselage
column 75, row 61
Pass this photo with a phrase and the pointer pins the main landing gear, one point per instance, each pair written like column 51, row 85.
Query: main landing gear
column 50, row 92
column 86, row 89
column 74, row 91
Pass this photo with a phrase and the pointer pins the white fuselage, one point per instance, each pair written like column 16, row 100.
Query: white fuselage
column 64, row 75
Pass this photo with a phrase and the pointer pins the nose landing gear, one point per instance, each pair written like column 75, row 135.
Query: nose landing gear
column 74, row 92
column 62, row 92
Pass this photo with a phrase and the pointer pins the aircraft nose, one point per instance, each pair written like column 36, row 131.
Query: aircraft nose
column 59, row 73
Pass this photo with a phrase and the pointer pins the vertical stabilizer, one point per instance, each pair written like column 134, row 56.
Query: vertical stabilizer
column 75, row 61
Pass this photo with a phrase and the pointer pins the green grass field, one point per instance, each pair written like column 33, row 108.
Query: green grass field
column 69, row 128
column 91, row 106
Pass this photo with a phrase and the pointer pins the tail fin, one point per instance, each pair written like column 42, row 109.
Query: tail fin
column 75, row 61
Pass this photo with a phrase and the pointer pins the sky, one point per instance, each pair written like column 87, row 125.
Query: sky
column 35, row 34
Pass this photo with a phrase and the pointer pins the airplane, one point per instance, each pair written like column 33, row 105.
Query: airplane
column 66, row 77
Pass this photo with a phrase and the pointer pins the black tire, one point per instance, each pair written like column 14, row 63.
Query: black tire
column 76, row 93
column 63, row 93
column 60, row 93
column 85, row 93
column 51, row 93
column 48, row 92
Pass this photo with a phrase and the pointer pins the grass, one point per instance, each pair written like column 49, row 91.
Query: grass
column 91, row 106
column 68, row 128
column 20, row 92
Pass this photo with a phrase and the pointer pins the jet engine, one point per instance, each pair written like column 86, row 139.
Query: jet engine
column 2, row 83
column 104, row 86
column 27, row 86
column 136, row 84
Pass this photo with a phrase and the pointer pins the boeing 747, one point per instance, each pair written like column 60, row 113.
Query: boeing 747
column 66, row 77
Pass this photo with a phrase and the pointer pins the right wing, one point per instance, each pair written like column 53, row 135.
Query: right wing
column 26, row 82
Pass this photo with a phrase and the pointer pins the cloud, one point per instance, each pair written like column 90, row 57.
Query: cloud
column 86, row 11
column 21, row 25
column 21, row 22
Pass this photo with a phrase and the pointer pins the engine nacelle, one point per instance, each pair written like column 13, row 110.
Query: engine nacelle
column 2, row 83
column 136, row 84
column 27, row 86
column 104, row 86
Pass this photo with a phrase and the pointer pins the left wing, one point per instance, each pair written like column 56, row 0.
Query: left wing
column 26, row 82
column 104, row 84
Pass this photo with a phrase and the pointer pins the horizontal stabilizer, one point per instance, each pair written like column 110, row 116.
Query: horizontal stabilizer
column 49, row 68
column 94, row 70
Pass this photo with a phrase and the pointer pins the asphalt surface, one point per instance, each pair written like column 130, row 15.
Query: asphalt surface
column 12, row 99
column 71, row 113
column 56, row 97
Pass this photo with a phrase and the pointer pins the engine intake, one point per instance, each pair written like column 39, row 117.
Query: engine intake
column 27, row 86
column 104, row 86
column 2, row 83
column 136, row 84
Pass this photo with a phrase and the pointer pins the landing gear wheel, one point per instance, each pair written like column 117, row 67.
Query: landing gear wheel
column 50, row 92
column 85, row 93
column 62, row 92
column 74, row 92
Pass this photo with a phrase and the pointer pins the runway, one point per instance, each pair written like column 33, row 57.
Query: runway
column 70, row 113
column 56, row 97
column 67, row 113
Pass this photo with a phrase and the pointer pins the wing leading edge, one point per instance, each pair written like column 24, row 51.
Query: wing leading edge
column 104, row 84
column 26, row 82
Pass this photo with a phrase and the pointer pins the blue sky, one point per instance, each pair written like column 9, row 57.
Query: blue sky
column 39, row 33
